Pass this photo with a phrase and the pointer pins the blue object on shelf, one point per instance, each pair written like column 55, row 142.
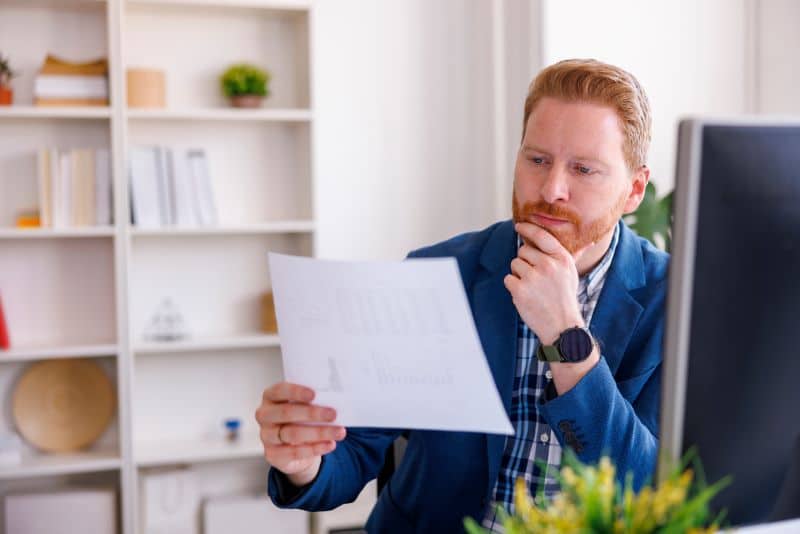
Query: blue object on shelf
column 232, row 425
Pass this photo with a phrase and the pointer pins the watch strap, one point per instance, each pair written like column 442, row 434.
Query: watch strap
column 548, row 353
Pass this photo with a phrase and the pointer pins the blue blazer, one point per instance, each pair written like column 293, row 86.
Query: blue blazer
column 446, row 476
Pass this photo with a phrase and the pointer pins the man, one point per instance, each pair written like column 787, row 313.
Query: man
column 566, row 262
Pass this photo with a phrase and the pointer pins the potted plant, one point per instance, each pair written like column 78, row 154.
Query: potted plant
column 653, row 219
column 246, row 85
column 6, row 93
column 593, row 502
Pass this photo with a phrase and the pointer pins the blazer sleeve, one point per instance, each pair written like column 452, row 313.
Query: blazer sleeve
column 601, row 415
column 343, row 473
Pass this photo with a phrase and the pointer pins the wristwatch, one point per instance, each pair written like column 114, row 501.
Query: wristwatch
column 572, row 346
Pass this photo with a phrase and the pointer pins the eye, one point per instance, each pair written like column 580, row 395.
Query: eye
column 583, row 169
column 537, row 160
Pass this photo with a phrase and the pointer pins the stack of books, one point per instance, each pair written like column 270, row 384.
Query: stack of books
column 171, row 187
column 61, row 83
column 74, row 188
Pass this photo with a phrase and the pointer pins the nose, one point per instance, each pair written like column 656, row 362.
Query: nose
column 556, row 185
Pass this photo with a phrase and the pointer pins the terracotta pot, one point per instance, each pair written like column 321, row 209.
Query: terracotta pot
column 247, row 101
column 6, row 95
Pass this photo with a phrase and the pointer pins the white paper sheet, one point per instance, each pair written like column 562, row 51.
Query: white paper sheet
column 388, row 344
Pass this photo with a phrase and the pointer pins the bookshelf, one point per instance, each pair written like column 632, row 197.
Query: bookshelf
column 91, row 291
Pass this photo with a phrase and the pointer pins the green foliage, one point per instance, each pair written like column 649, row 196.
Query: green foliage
column 593, row 502
column 653, row 219
column 245, row 79
column 5, row 71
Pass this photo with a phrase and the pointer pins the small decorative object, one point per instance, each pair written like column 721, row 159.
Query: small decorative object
column 6, row 74
column 170, row 501
column 5, row 339
column 146, row 88
column 653, row 218
column 166, row 324
column 251, row 514
column 269, row 322
column 232, row 427
column 592, row 501
column 246, row 85
column 28, row 219
column 63, row 405
column 71, row 511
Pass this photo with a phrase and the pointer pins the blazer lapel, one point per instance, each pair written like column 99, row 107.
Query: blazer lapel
column 496, row 321
column 617, row 312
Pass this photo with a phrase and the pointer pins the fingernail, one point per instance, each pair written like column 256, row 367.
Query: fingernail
column 308, row 395
column 330, row 414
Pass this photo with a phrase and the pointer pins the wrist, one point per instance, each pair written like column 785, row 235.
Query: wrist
column 550, row 336
column 306, row 476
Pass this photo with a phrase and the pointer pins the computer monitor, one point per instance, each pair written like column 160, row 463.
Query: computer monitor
column 731, row 376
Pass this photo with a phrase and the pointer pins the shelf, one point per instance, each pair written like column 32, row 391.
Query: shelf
column 198, row 345
column 35, row 112
column 282, row 227
column 279, row 5
column 50, row 233
column 150, row 454
column 51, row 353
column 223, row 114
column 62, row 464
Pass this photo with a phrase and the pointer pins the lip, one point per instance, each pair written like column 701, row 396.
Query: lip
column 548, row 221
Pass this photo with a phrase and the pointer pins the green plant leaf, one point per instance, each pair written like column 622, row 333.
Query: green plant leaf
column 245, row 79
column 653, row 219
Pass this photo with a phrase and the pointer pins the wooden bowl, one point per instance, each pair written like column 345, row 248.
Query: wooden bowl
column 63, row 405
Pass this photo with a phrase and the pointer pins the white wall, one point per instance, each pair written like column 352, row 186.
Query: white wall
column 689, row 55
column 403, row 128
column 777, row 57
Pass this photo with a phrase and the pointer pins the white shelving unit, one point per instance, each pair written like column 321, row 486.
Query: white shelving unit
column 91, row 292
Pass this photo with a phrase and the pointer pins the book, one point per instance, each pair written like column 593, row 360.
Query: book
column 143, row 178
column 182, row 190
column 62, row 192
column 165, row 200
column 54, row 65
column 44, row 170
column 89, row 87
column 205, row 207
column 102, row 187
column 5, row 338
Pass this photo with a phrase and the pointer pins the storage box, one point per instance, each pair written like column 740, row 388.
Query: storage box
column 146, row 88
column 251, row 514
column 66, row 512
column 170, row 501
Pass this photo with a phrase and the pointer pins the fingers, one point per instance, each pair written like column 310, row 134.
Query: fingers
column 536, row 258
column 283, row 454
column 295, row 434
column 288, row 412
column 287, row 392
column 541, row 238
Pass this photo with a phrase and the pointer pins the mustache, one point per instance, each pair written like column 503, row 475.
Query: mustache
column 549, row 210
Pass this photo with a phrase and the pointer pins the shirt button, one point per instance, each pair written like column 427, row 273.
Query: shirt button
column 545, row 437
column 548, row 375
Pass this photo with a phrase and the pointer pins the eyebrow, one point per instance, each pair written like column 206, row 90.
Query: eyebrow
column 533, row 148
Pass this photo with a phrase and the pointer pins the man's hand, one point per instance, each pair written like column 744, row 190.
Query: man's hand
column 544, row 288
column 291, row 444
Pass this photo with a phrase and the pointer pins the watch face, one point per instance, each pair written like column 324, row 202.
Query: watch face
column 575, row 345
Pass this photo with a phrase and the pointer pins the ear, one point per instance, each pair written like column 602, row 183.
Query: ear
column 638, row 186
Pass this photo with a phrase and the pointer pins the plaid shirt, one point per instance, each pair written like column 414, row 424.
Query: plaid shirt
column 533, row 440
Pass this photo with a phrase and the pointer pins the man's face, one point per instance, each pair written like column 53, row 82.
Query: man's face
column 570, row 176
